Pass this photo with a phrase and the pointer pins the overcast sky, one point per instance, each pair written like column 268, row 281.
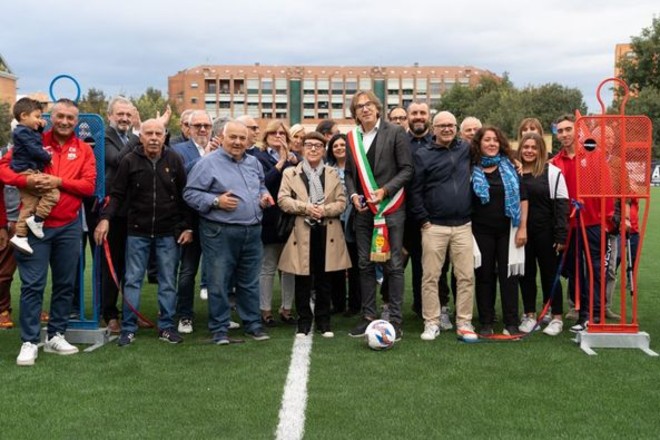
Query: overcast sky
column 123, row 46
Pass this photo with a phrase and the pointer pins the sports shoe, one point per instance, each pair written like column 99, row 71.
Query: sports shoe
column 527, row 325
column 554, row 328
column 431, row 331
column 234, row 325
column 547, row 318
column 580, row 325
column 358, row 330
column 126, row 338
column 445, row 321
column 466, row 332
column 398, row 331
column 611, row 314
column 5, row 320
column 511, row 330
column 57, row 344
column 572, row 314
column 28, row 354
column 36, row 227
column 258, row 335
column 185, row 326
column 170, row 335
column 223, row 339
column 204, row 294
column 327, row 334
column 21, row 244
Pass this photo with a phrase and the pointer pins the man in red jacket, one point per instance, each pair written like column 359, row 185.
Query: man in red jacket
column 73, row 172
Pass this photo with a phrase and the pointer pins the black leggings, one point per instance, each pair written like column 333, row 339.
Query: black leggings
column 540, row 249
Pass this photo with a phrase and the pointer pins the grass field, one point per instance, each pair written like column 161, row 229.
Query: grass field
column 542, row 387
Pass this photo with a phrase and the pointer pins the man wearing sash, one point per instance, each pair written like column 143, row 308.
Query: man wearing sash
column 377, row 169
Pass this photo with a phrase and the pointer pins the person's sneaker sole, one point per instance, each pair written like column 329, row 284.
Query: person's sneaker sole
column 47, row 349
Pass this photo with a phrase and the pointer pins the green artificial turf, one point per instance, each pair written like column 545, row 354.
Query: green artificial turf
column 541, row 387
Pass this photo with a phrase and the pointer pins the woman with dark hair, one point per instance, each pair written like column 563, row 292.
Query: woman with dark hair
column 547, row 221
column 336, row 157
column 499, row 226
column 316, row 247
column 275, row 156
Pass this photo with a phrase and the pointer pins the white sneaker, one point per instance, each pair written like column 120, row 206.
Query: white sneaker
column 185, row 326
column 431, row 331
column 234, row 325
column 328, row 334
column 466, row 332
column 527, row 325
column 21, row 244
column 37, row 228
column 57, row 344
column 204, row 294
column 29, row 353
column 445, row 321
column 554, row 328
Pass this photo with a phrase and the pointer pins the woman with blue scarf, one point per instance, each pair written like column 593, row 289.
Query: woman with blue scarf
column 499, row 226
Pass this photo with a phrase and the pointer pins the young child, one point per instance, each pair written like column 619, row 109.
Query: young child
column 29, row 157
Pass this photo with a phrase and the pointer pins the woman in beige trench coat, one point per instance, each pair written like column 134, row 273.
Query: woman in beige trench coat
column 316, row 246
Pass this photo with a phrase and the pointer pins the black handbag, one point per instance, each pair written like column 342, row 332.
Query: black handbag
column 285, row 223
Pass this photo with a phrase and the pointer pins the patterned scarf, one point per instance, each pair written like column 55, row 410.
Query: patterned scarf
column 509, row 179
column 316, row 196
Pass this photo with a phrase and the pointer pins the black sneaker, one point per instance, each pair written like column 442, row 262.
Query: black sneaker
column 170, row 335
column 580, row 326
column 258, row 335
column 511, row 330
column 486, row 330
column 125, row 338
column 398, row 331
column 358, row 330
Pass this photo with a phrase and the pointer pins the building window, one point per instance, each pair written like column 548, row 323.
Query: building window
column 210, row 86
column 436, row 88
column 193, row 100
column 280, row 86
column 253, row 86
column 393, row 86
column 239, row 87
column 365, row 83
column 194, row 85
column 351, row 86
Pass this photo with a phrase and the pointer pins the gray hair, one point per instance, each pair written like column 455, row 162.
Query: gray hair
column 219, row 125
column 469, row 119
column 118, row 100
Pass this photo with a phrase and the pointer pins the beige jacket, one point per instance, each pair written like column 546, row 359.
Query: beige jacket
column 295, row 256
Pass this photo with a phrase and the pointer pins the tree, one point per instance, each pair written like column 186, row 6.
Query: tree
column 642, row 74
column 5, row 123
column 151, row 104
column 94, row 102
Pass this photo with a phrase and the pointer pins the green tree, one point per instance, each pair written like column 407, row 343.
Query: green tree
column 5, row 123
column 94, row 102
column 151, row 104
column 642, row 74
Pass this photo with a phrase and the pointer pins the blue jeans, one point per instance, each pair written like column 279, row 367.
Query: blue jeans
column 364, row 226
column 137, row 259
column 191, row 254
column 232, row 257
column 60, row 248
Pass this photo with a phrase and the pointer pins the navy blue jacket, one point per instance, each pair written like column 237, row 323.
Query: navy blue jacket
column 28, row 152
column 441, row 190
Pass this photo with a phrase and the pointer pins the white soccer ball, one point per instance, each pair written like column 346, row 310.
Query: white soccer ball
column 380, row 335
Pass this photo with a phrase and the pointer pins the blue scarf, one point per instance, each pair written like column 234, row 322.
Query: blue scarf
column 509, row 179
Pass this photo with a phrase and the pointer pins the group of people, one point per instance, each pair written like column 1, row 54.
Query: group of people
column 318, row 209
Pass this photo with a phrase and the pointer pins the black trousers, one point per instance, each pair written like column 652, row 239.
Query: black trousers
column 494, row 248
column 539, row 248
column 319, row 280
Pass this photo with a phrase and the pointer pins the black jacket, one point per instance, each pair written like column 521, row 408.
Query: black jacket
column 440, row 191
column 154, row 194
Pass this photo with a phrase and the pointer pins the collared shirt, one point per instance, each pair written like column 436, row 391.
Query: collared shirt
column 368, row 138
column 200, row 149
column 217, row 173
column 274, row 153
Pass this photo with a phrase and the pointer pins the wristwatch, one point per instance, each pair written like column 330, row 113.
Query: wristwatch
column 216, row 203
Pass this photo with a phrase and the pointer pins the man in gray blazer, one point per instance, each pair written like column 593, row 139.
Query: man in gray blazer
column 383, row 149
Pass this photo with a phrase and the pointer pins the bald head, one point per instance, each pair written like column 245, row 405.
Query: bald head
column 235, row 139
column 152, row 137
column 444, row 128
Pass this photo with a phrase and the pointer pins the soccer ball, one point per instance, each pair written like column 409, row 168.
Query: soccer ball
column 380, row 335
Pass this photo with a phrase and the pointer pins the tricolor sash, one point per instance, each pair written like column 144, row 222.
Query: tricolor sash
column 380, row 242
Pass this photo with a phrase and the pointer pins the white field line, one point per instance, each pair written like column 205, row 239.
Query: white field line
column 294, row 400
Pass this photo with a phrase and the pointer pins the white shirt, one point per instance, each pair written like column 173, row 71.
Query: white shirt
column 368, row 138
column 200, row 150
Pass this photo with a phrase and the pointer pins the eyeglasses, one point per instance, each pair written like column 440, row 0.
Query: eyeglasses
column 370, row 104
column 278, row 133
column 253, row 127
column 200, row 126
column 313, row 146
column 398, row 118
column 444, row 126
